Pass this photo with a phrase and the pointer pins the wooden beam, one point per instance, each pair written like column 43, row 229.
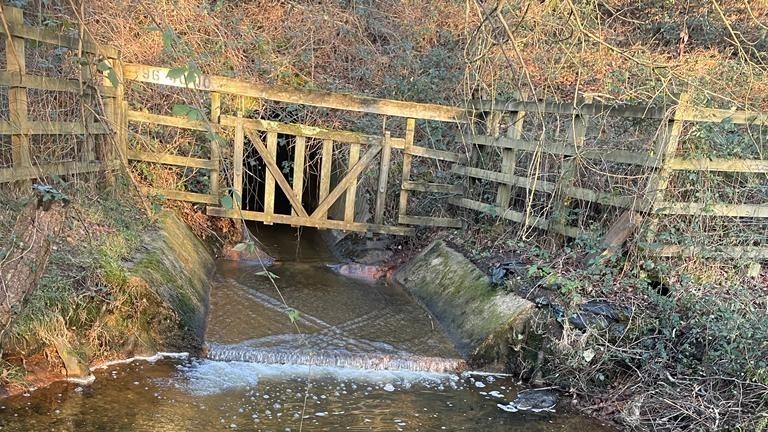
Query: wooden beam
column 297, row 129
column 299, row 160
column 55, row 169
column 13, row 78
column 214, row 177
column 430, row 221
column 183, row 196
column 410, row 130
column 15, row 54
column 349, row 201
column 421, row 186
column 436, row 154
column 515, row 216
column 20, row 127
column 735, row 252
column 168, row 159
column 509, row 158
column 381, row 193
column 310, row 222
column 616, row 236
column 269, row 178
column 322, row 209
column 721, row 165
column 268, row 156
column 702, row 209
column 238, row 154
column 326, row 166
column 162, row 120
column 346, row 102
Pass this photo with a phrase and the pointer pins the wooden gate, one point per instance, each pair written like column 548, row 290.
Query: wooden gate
column 366, row 153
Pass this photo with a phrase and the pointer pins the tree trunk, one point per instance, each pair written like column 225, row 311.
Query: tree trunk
column 27, row 257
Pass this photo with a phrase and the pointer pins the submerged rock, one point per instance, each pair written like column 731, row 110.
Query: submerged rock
column 535, row 400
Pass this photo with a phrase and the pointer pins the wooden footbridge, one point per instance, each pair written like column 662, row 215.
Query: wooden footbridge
column 493, row 163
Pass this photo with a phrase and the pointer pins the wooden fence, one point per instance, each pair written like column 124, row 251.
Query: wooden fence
column 97, row 93
column 536, row 163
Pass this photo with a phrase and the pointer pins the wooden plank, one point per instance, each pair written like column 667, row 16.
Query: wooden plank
column 238, row 154
column 430, row 221
column 515, row 216
column 169, row 159
column 269, row 178
column 604, row 155
column 20, row 30
column 48, row 128
column 310, row 222
column 712, row 115
column 509, row 158
column 47, row 170
column 735, row 252
column 346, row 102
column 183, row 196
column 13, row 78
column 326, row 165
column 351, row 177
column 381, row 193
column 297, row 129
column 592, row 109
column 162, row 120
column 436, row 154
column 410, row 130
column 616, row 236
column 268, row 155
column 15, row 54
column 349, row 202
column 561, row 200
column 299, row 160
column 215, row 146
column 421, row 186
column 88, row 100
column 730, row 210
column 721, row 165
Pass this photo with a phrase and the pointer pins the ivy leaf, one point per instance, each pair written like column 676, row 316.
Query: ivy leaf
column 240, row 247
column 112, row 77
column 293, row 315
column 169, row 36
column 227, row 202
column 190, row 112
column 176, row 73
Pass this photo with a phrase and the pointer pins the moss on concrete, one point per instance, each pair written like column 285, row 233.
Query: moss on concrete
column 484, row 321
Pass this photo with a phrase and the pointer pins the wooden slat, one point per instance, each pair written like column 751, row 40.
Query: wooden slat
column 299, row 159
column 268, row 156
column 238, row 154
column 722, row 165
column 326, row 166
column 159, row 75
column 50, row 128
column 349, row 202
column 730, row 210
column 183, row 196
column 515, row 216
column 509, row 158
column 20, row 30
column 436, row 154
column 311, row 222
column 735, row 252
column 297, row 129
column 605, row 155
column 269, row 178
column 381, row 193
column 168, row 159
column 430, row 221
column 351, row 177
column 215, row 146
column 410, row 130
column 592, row 109
column 15, row 54
column 577, row 135
column 629, row 202
column 162, row 120
column 47, row 170
column 8, row 78
column 421, row 186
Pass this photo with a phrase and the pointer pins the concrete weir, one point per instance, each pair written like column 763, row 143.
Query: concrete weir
column 484, row 321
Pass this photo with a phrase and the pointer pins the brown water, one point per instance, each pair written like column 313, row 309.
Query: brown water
column 364, row 357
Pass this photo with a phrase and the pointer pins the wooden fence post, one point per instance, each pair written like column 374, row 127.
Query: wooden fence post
column 214, row 177
column 349, row 200
column 381, row 195
column 410, row 131
column 238, row 154
column 326, row 165
column 17, row 94
column 299, row 160
column 269, row 179
column 666, row 150
column 569, row 167
column 509, row 158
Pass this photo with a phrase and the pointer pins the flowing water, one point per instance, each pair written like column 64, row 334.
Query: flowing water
column 317, row 352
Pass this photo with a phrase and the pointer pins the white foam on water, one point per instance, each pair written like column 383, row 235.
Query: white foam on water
column 205, row 377
column 82, row 381
column 149, row 359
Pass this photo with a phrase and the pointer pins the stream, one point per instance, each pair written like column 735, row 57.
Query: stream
column 313, row 351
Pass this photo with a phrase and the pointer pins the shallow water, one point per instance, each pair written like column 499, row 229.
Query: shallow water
column 355, row 356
